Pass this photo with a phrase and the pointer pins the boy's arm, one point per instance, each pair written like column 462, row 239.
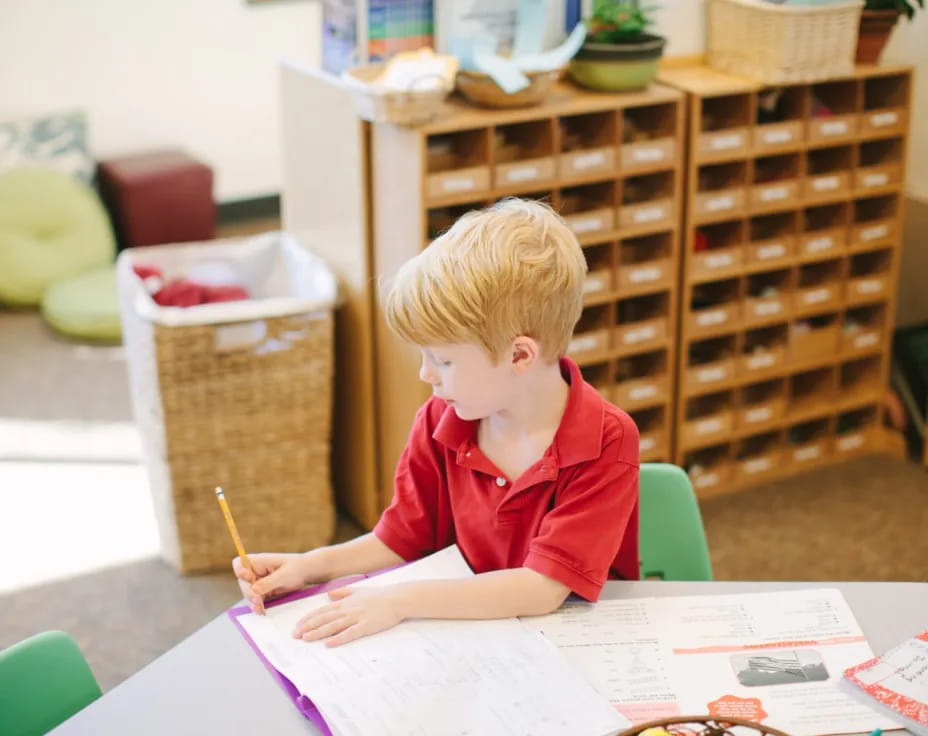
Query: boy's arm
column 360, row 555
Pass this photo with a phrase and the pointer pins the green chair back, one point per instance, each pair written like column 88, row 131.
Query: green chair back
column 44, row 680
column 672, row 542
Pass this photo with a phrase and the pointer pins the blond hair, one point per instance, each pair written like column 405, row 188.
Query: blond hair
column 512, row 269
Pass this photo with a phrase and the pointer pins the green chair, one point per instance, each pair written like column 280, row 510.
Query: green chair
column 672, row 542
column 44, row 680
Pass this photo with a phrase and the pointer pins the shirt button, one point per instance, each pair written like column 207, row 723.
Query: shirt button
column 500, row 482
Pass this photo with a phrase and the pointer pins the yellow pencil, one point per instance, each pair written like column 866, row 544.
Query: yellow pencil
column 233, row 530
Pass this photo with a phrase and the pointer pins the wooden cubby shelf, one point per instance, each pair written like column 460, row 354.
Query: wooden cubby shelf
column 790, row 258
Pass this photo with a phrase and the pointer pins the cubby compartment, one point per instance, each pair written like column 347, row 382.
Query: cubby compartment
column 709, row 469
column 717, row 250
column 876, row 222
column 775, row 181
column 653, row 433
column 779, row 116
column 642, row 380
column 812, row 393
column 710, row 365
column 458, row 164
column 641, row 323
column 828, row 172
column 824, row 231
column 772, row 240
column 599, row 375
column 523, row 155
column 647, row 202
column 757, row 457
column 869, row 277
column 886, row 99
column 861, row 380
column 649, row 138
column 768, row 297
column 600, row 262
column 646, row 263
column 864, row 330
column 808, row 444
column 814, row 339
column 589, row 210
column 763, row 352
column 761, row 406
column 588, row 145
column 879, row 165
column 592, row 335
column 855, row 430
column 439, row 219
column 708, row 419
column 720, row 190
column 714, row 308
column 819, row 287
column 833, row 110
column 724, row 127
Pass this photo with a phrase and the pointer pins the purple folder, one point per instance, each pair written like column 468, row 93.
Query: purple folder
column 303, row 703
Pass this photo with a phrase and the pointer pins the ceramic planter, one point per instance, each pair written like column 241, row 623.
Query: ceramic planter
column 614, row 67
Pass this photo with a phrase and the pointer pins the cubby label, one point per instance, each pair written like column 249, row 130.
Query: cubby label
column 646, row 444
column 654, row 213
column 584, row 161
column 523, row 173
column 817, row 296
column 884, row 119
column 834, row 127
column 717, row 204
column 778, row 135
column 712, row 317
column 774, row 194
column 757, row 465
column 649, row 154
column 757, row 362
column 719, row 260
column 459, row 184
column 850, row 442
column 641, row 393
column 593, row 284
column 773, row 250
column 826, row 183
column 640, row 334
column 877, row 179
column 869, row 286
column 705, row 480
column 767, row 307
column 583, row 343
column 816, row 245
column 866, row 340
column 726, row 141
column 645, row 274
column 710, row 375
column 710, row 426
column 587, row 224
column 804, row 454
column 874, row 232
column 759, row 414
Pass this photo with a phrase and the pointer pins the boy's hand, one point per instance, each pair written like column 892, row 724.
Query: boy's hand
column 275, row 574
column 354, row 612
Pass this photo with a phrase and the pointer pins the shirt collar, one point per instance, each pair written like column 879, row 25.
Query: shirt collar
column 579, row 437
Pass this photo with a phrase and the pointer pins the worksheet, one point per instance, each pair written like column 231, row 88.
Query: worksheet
column 775, row 658
column 435, row 678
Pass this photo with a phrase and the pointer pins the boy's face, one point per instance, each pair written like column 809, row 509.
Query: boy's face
column 465, row 377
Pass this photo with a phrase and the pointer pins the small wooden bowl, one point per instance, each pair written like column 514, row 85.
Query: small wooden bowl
column 706, row 726
column 480, row 89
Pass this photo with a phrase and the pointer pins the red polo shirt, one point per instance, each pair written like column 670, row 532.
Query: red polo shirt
column 572, row 516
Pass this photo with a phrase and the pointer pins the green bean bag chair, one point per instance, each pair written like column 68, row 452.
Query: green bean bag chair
column 51, row 227
column 85, row 306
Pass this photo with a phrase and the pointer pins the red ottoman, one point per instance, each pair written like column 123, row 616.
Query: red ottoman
column 159, row 197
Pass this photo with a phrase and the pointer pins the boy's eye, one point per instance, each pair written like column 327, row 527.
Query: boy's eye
column 444, row 363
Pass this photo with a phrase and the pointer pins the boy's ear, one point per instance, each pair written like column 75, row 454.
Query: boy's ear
column 525, row 351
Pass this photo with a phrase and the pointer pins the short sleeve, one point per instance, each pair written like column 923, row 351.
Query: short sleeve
column 411, row 524
column 596, row 515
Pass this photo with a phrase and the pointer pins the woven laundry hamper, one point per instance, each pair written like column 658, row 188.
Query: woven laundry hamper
column 237, row 394
column 777, row 44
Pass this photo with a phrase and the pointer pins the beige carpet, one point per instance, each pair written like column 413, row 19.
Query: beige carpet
column 865, row 520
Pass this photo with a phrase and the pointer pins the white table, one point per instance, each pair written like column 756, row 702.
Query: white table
column 213, row 683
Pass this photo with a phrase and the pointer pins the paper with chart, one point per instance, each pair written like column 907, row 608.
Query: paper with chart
column 776, row 658
column 434, row 677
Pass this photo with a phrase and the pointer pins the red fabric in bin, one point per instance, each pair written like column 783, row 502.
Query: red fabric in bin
column 159, row 197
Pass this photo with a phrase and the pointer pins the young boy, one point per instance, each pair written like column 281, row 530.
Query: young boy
column 514, row 458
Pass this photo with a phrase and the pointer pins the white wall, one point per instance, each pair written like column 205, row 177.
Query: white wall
column 151, row 73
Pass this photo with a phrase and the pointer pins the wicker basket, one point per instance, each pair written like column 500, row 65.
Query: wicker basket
column 481, row 89
column 242, row 400
column 704, row 726
column 783, row 43
column 409, row 107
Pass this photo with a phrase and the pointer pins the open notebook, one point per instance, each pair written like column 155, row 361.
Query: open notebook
column 427, row 677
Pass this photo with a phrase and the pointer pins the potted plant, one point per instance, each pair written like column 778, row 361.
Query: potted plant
column 877, row 22
column 619, row 54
